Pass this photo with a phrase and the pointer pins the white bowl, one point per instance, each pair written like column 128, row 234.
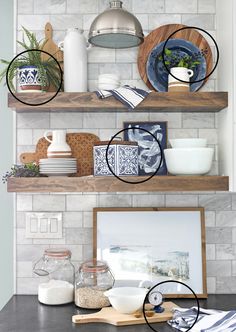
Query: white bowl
column 126, row 300
column 103, row 86
column 188, row 143
column 189, row 161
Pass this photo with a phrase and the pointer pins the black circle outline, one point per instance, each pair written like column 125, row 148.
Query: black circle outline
column 178, row 282
column 131, row 182
column 217, row 56
column 45, row 102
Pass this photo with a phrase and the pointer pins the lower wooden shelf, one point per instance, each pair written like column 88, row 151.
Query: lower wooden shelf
column 112, row 184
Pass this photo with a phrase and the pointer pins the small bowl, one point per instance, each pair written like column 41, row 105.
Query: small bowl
column 188, row 143
column 189, row 161
column 103, row 86
column 126, row 300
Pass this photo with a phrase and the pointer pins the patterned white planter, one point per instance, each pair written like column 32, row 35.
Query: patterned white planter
column 122, row 158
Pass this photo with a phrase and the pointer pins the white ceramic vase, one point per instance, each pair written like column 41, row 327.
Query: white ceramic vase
column 75, row 61
column 181, row 74
column 58, row 147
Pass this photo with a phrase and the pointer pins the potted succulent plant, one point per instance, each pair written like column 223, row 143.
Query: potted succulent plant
column 31, row 70
column 182, row 67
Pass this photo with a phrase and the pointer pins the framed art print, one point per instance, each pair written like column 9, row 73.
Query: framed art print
column 154, row 244
column 149, row 150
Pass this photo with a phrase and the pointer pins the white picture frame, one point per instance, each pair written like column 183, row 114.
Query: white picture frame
column 154, row 244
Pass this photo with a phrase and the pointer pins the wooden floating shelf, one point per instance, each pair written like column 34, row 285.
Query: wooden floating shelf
column 112, row 184
column 89, row 102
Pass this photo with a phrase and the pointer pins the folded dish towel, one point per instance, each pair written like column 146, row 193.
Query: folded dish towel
column 208, row 320
column 129, row 96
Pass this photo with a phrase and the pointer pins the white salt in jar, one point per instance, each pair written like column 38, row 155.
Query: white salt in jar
column 57, row 274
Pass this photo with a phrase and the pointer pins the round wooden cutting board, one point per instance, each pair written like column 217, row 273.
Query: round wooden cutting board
column 161, row 34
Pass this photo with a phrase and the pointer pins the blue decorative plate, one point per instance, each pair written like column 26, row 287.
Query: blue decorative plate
column 157, row 73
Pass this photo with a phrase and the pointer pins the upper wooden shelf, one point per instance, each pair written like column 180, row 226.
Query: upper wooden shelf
column 89, row 102
column 112, row 184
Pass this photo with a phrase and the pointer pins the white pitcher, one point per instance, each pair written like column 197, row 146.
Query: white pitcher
column 75, row 61
column 183, row 74
column 58, row 147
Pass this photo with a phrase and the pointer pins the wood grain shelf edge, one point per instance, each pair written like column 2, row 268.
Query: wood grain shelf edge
column 89, row 102
column 112, row 184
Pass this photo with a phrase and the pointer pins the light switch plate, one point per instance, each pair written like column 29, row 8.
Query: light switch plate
column 43, row 225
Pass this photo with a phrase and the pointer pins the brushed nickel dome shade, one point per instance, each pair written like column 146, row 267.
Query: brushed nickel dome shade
column 116, row 28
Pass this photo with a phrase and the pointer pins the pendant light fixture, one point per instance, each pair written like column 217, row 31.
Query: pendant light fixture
column 116, row 28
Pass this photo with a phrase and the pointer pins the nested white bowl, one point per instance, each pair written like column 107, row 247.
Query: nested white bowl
column 126, row 300
column 188, row 143
column 189, row 161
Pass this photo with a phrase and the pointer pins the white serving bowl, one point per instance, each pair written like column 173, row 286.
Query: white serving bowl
column 188, row 143
column 189, row 161
column 126, row 300
column 103, row 86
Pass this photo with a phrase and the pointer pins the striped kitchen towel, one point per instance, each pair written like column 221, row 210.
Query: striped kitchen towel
column 129, row 96
column 208, row 320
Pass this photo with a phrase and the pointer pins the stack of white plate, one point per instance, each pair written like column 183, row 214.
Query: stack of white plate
column 58, row 166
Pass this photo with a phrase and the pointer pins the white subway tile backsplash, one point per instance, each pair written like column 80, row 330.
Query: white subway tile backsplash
column 32, row 120
column 72, row 219
column 114, row 200
column 24, row 202
column 78, row 236
column 215, row 202
column 64, row 22
column 24, row 269
column 27, row 286
column 150, row 200
column 203, row 21
column 207, row 6
column 174, row 120
column 182, row 200
column 32, row 22
column 226, row 285
column 48, row 203
column 49, row 6
column 123, row 70
column 25, row 6
column 198, row 120
column 87, row 219
column 82, row 6
column 211, row 285
column 218, row 268
column 225, row 251
column 66, row 120
column 152, row 6
column 99, row 120
column 184, row 6
column 210, row 252
column 156, row 21
column 98, row 55
column 24, row 137
column 126, row 55
column 80, row 202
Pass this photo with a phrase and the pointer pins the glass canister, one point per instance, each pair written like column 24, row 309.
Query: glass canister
column 58, row 275
column 93, row 279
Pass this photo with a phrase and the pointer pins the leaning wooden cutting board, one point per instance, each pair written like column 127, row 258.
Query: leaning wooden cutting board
column 52, row 49
column 111, row 316
column 81, row 146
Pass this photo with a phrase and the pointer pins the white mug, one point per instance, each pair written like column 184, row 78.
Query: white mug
column 181, row 73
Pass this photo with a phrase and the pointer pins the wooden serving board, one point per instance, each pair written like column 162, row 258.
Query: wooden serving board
column 81, row 146
column 111, row 316
column 52, row 49
column 161, row 34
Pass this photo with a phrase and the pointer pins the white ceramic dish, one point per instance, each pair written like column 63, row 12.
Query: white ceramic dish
column 126, row 300
column 188, row 143
column 189, row 161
